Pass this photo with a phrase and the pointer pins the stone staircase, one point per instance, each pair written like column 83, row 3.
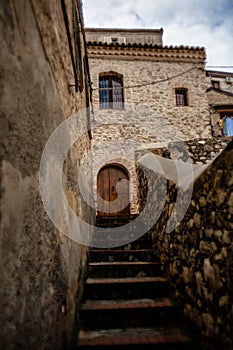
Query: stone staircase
column 127, row 301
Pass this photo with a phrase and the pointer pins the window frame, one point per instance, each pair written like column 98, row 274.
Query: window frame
column 215, row 84
column 109, row 102
column 181, row 96
column 114, row 40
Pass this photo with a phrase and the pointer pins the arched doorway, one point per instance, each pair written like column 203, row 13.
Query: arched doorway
column 113, row 198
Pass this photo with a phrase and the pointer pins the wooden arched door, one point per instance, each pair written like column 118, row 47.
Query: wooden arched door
column 113, row 198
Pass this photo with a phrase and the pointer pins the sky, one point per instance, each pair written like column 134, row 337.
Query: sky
column 207, row 23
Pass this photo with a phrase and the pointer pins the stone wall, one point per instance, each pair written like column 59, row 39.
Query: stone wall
column 200, row 151
column 197, row 255
column 193, row 121
column 41, row 269
column 219, row 98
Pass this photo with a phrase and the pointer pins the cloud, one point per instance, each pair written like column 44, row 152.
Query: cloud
column 194, row 23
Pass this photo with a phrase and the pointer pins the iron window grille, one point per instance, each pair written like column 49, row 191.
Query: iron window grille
column 111, row 92
column 181, row 97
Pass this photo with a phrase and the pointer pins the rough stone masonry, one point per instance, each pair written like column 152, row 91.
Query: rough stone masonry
column 197, row 255
column 41, row 269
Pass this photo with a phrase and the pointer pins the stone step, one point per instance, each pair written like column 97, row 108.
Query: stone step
column 128, row 313
column 126, row 288
column 169, row 338
column 117, row 231
column 114, row 221
column 111, row 255
column 121, row 242
column 122, row 231
column 123, row 227
column 125, row 291
column 124, row 269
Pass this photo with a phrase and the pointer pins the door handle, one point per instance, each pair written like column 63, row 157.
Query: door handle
column 113, row 189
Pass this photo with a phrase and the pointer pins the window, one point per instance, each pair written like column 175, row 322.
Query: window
column 114, row 40
column 111, row 91
column 181, row 97
column 215, row 84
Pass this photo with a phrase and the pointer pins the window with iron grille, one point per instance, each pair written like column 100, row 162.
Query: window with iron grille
column 181, row 97
column 111, row 91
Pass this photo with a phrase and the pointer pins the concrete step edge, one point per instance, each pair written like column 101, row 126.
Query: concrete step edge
column 123, row 280
column 124, row 263
column 127, row 304
column 133, row 336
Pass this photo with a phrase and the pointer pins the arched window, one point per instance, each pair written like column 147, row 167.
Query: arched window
column 111, row 90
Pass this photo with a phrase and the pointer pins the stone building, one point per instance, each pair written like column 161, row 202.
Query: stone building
column 44, row 80
column 220, row 80
column 144, row 93
column 220, row 96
